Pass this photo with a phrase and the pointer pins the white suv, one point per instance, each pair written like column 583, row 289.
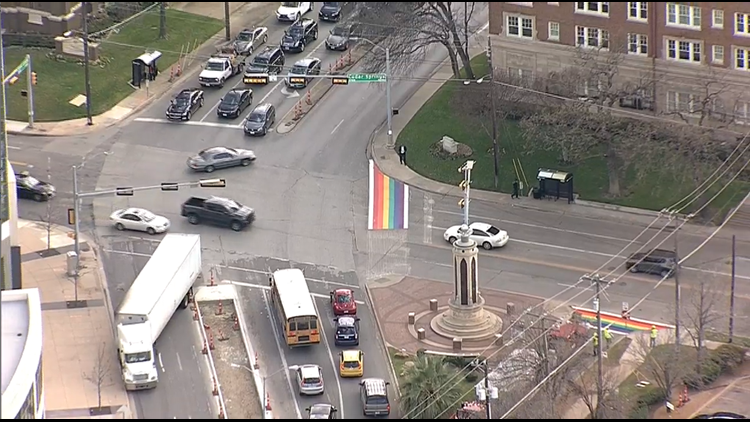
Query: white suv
column 291, row 11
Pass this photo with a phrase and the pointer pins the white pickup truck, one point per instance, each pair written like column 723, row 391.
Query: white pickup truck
column 219, row 68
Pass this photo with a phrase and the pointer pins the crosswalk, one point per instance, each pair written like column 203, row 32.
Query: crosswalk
column 189, row 123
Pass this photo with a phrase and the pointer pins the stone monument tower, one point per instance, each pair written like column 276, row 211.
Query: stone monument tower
column 466, row 317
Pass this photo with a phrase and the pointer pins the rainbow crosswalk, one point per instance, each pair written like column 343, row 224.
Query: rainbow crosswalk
column 388, row 202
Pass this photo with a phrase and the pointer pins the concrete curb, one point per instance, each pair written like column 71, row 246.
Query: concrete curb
column 317, row 92
column 368, row 295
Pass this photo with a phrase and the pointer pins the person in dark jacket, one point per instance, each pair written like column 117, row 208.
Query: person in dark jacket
column 516, row 185
column 402, row 154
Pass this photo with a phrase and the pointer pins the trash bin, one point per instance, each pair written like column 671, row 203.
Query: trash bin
column 72, row 261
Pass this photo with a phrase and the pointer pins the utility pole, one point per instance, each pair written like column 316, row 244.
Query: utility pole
column 676, row 286
column 597, row 281
column 30, row 89
column 389, row 116
column 495, row 151
column 5, row 196
column 487, row 389
column 86, row 73
column 76, row 244
column 731, row 294
column 227, row 31
column 162, row 20
column 465, row 185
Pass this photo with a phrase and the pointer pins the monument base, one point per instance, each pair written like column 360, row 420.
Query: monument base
column 469, row 322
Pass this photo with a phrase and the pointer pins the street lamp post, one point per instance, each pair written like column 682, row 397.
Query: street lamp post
column 495, row 151
column 389, row 104
column 263, row 378
column 86, row 77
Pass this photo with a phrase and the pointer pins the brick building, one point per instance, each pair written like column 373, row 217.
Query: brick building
column 49, row 18
column 697, row 54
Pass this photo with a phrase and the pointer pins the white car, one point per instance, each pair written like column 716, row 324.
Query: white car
column 309, row 379
column 140, row 220
column 291, row 11
column 486, row 235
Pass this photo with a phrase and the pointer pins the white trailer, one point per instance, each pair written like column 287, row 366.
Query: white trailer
column 164, row 284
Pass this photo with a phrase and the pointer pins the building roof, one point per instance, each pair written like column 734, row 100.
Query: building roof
column 15, row 332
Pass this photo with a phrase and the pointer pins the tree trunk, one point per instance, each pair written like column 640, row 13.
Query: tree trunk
column 613, row 172
column 466, row 60
column 454, row 61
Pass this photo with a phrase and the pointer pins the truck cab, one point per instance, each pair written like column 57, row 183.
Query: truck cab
column 136, row 356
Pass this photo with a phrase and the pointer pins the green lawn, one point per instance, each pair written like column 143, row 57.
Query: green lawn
column 438, row 117
column 61, row 81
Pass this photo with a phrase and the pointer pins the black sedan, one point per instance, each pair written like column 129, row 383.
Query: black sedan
column 234, row 103
column 29, row 187
column 214, row 158
column 187, row 102
column 330, row 11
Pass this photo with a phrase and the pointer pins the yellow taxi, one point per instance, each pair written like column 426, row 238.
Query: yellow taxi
column 351, row 363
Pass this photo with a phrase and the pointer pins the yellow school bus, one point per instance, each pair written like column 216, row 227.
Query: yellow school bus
column 294, row 307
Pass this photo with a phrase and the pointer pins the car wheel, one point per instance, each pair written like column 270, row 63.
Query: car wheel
column 200, row 102
column 245, row 162
column 249, row 51
column 634, row 269
column 665, row 273
column 151, row 231
column 302, row 47
column 451, row 240
column 209, row 169
column 193, row 219
column 265, row 39
column 487, row 245
column 221, row 83
column 189, row 115
column 38, row 197
column 119, row 227
column 236, row 226
column 315, row 35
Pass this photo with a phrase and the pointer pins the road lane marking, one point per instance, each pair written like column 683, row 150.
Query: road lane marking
column 536, row 226
column 264, row 287
column 210, row 110
column 188, row 123
column 250, row 270
column 586, row 252
column 268, row 94
column 19, row 163
column 145, row 255
column 333, row 365
column 277, row 335
column 179, row 362
column 12, row 147
column 337, row 126
column 161, row 364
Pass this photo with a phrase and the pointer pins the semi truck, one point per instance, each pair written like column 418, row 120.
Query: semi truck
column 164, row 285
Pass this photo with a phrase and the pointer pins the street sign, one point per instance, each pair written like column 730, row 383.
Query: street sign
column 367, row 77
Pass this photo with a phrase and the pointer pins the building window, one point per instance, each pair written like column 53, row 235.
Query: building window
column 637, row 44
column 717, row 19
column 35, row 19
column 717, row 55
column 683, row 15
column 520, row 26
column 638, row 10
column 742, row 24
column 686, row 51
column 680, row 102
column 595, row 7
column 592, row 37
column 742, row 113
column 592, row 88
column 522, row 74
column 554, row 31
column 742, row 59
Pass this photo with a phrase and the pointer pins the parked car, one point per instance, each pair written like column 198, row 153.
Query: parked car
column 260, row 120
column 234, row 103
column 248, row 40
column 139, row 219
column 214, row 158
column 29, row 187
column 485, row 235
column 330, row 11
column 218, row 211
column 187, row 102
column 298, row 75
column 661, row 262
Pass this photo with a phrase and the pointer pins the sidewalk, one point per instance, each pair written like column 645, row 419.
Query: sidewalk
column 78, row 344
column 241, row 14
column 387, row 161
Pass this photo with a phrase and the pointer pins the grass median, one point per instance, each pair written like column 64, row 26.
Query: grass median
column 61, row 80
column 439, row 117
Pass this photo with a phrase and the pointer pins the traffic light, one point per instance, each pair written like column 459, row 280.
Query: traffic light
column 463, row 185
column 71, row 216
column 462, row 203
column 33, row 78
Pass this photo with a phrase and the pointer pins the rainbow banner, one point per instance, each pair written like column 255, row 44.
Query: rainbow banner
column 389, row 202
column 617, row 324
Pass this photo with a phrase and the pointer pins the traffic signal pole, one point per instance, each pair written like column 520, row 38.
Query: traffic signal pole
column 30, row 81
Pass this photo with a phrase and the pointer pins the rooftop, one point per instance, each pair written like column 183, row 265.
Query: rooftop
column 15, row 316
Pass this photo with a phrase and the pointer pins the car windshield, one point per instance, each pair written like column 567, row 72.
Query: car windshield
column 231, row 99
column 351, row 364
column 339, row 30
column 344, row 299
column 255, row 117
column 147, row 216
column 215, row 66
column 377, row 400
column 260, row 61
column 182, row 101
column 233, row 206
column 331, row 4
column 311, row 381
column 493, row 230
column 137, row 357
column 30, row 181
column 299, row 70
column 295, row 30
column 289, row 4
column 345, row 330
column 245, row 36
column 320, row 411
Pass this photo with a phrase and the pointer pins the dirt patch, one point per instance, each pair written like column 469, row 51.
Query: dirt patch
column 231, row 361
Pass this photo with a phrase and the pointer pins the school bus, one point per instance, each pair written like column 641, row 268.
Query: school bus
column 294, row 307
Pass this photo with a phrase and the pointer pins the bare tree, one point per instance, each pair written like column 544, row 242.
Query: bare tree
column 584, row 387
column 710, row 102
column 407, row 29
column 101, row 372
column 666, row 367
column 702, row 311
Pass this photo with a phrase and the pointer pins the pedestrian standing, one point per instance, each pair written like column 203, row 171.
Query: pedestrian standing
column 607, row 337
column 402, row 154
column 652, row 340
column 516, row 185
column 596, row 344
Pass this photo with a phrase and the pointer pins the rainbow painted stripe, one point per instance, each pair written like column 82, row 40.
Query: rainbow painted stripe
column 389, row 202
column 618, row 324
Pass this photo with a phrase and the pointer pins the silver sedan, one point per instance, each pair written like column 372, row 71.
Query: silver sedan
column 214, row 158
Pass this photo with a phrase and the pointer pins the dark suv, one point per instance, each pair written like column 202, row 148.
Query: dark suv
column 299, row 35
column 270, row 61
column 347, row 331
column 656, row 261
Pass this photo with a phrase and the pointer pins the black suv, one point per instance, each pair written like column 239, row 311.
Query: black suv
column 185, row 104
column 299, row 35
column 347, row 331
column 656, row 261
column 270, row 61
column 331, row 11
